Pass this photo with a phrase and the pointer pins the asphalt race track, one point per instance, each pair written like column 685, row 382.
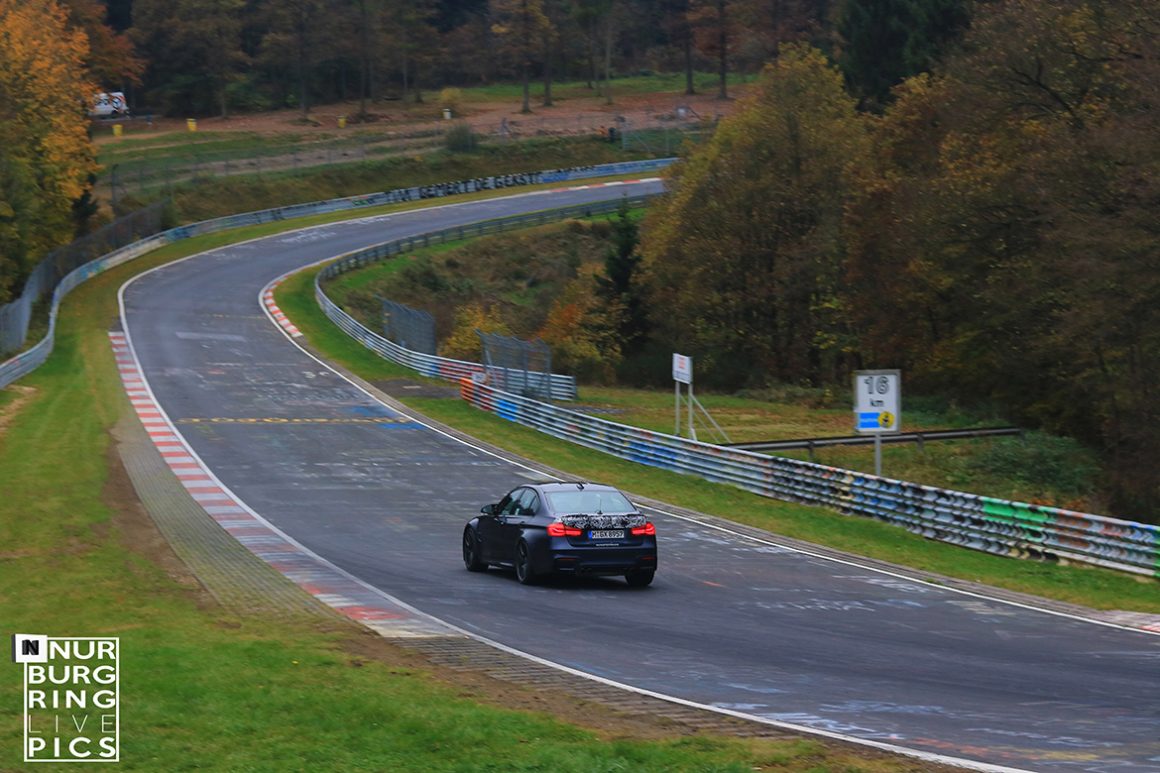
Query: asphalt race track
column 729, row 622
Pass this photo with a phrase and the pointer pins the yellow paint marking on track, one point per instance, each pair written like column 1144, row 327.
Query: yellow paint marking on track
column 284, row 420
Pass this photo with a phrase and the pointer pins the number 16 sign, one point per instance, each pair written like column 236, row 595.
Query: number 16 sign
column 877, row 401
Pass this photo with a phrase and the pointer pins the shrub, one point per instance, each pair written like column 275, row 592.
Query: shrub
column 460, row 138
column 449, row 99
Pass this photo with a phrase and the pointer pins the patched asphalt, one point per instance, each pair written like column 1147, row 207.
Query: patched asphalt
column 731, row 622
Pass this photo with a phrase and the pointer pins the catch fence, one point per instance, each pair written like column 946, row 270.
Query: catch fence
column 412, row 329
column 559, row 387
column 25, row 362
column 17, row 317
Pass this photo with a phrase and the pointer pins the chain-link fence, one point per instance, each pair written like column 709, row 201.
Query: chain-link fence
column 650, row 132
column 515, row 365
column 412, row 329
column 16, row 317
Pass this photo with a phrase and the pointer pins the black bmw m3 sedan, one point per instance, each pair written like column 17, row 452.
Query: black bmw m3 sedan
column 575, row 528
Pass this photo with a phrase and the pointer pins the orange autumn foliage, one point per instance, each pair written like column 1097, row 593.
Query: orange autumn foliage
column 46, row 157
column 45, row 91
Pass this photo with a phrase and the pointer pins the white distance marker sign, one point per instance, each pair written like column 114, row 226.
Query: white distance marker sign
column 877, row 401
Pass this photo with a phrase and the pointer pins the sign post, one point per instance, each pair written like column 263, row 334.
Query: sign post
column 877, row 407
column 682, row 374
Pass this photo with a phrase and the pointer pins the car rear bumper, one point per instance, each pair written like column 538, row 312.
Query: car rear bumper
column 594, row 561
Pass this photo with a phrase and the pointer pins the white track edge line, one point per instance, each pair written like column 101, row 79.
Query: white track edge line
column 880, row 745
column 970, row 764
column 717, row 527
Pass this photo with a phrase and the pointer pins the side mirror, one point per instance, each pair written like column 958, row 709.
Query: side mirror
column 487, row 509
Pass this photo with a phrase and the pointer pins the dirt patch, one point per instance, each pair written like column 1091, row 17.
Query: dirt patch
column 8, row 412
column 579, row 114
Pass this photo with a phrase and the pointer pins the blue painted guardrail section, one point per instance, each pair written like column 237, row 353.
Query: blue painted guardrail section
column 983, row 523
column 561, row 387
column 998, row 526
column 25, row 362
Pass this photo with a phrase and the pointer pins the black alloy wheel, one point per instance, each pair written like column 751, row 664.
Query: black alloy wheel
column 471, row 552
column 524, row 565
column 640, row 578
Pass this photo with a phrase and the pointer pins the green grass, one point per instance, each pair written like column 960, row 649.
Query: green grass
column 1090, row 586
column 203, row 688
column 658, row 83
column 245, row 193
column 159, row 148
column 1036, row 467
column 520, row 274
column 517, row 274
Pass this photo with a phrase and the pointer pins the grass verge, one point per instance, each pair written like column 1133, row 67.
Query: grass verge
column 218, row 196
column 520, row 275
column 205, row 688
column 1078, row 584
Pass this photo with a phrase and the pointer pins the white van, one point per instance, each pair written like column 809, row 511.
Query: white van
column 108, row 105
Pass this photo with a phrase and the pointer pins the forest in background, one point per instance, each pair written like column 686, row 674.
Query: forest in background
column 207, row 57
column 992, row 233
column 965, row 191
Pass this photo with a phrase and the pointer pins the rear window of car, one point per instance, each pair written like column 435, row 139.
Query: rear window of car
column 589, row 502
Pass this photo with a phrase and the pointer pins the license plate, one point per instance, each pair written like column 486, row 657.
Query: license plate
column 613, row 534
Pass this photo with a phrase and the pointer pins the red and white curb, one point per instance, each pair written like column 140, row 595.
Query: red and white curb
column 276, row 313
column 321, row 579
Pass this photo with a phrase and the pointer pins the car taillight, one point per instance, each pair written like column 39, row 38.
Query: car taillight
column 648, row 530
column 558, row 529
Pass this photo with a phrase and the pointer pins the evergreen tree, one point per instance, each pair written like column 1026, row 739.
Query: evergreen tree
column 886, row 41
column 620, row 285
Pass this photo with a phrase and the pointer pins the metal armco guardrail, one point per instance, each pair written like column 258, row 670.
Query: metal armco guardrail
column 561, row 387
column 27, row 361
column 865, row 440
column 984, row 523
column 16, row 316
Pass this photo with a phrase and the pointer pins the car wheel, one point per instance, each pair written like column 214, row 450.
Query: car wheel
column 471, row 551
column 640, row 578
column 524, row 571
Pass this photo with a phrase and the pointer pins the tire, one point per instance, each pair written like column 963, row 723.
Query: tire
column 641, row 578
column 524, row 572
column 471, row 551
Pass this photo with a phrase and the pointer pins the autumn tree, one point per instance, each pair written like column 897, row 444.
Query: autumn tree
column 412, row 40
column 194, row 48
column 743, row 259
column 582, row 329
column 463, row 343
column 369, row 20
column 679, row 26
column 1005, row 237
column 46, row 158
column 522, row 27
column 712, row 23
column 112, row 60
column 292, row 42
